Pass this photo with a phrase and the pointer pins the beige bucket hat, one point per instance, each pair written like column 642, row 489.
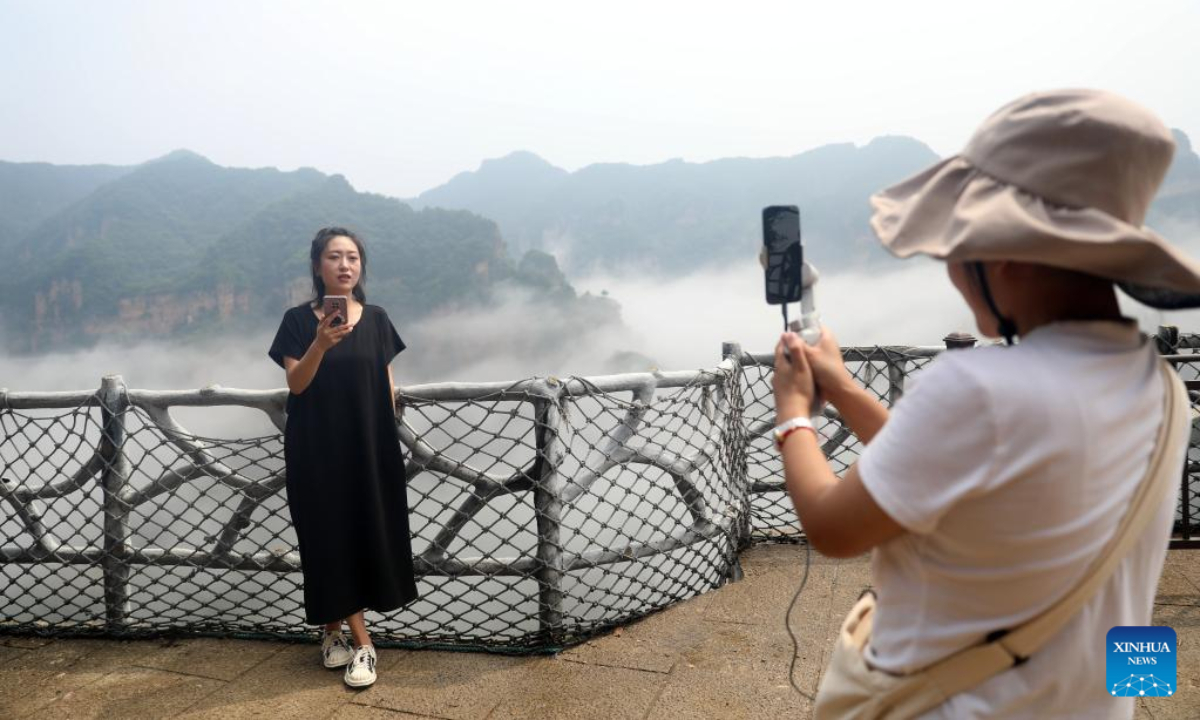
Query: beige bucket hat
column 1061, row 178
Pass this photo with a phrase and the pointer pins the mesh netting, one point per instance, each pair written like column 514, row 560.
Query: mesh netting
column 1184, row 350
column 882, row 370
column 542, row 512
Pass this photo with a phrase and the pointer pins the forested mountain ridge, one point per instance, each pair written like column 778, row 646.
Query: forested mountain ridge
column 180, row 246
column 32, row 192
column 677, row 216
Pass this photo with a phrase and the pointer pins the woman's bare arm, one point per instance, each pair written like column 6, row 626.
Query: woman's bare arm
column 860, row 410
column 300, row 372
column 839, row 517
column 392, row 389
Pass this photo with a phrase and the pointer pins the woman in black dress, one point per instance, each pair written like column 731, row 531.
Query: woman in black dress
column 345, row 473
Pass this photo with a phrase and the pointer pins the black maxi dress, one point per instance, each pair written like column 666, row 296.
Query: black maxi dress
column 346, row 487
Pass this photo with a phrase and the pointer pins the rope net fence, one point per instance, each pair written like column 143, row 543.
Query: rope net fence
column 543, row 511
column 881, row 370
column 1183, row 350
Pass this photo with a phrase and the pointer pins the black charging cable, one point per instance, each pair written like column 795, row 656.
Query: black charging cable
column 787, row 623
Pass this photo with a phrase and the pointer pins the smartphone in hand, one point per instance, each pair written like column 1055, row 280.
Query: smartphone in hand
column 782, row 254
column 337, row 305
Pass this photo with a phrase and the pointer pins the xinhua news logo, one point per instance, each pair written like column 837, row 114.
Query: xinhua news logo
column 1141, row 661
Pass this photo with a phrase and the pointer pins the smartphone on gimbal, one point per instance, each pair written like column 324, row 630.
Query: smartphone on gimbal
column 782, row 254
column 789, row 278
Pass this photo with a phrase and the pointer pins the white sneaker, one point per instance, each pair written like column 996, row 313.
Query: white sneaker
column 335, row 650
column 361, row 670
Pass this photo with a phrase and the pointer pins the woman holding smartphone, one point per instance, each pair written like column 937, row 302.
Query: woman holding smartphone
column 345, row 472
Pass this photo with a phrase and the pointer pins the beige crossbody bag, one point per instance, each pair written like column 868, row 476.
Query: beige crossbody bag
column 852, row 690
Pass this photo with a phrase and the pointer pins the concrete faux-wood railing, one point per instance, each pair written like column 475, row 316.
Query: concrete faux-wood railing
column 543, row 511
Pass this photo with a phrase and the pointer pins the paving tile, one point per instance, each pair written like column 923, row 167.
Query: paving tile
column 1185, row 703
column 751, row 684
column 459, row 686
column 750, row 650
column 212, row 658
column 736, row 663
column 763, row 595
column 781, row 553
column 130, row 692
column 722, row 655
column 850, row 579
column 10, row 653
column 1175, row 589
column 556, row 689
column 44, row 674
column 291, row 683
column 366, row 712
column 1140, row 712
column 741, row 671
column 831, row 589
column 1187, row 563
column 25, row 642
column 104, row 656
column 705, row 697
column 653, row 643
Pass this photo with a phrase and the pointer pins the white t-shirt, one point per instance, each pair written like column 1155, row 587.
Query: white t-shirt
column 1011, row 468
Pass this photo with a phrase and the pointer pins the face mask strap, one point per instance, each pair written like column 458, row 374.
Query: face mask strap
column 1007, row 327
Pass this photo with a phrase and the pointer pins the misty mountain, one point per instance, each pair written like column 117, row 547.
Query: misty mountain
column 181, row 246
column 677, row 216
column 1179, row 198
column 32, row 192
column 504, row 190
column 417, row 262
column 163, row 214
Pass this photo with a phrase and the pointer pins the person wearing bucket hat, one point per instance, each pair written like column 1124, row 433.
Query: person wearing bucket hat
column 1003, row 472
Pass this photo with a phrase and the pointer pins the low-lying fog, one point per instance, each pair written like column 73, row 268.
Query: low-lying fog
column 669, row 323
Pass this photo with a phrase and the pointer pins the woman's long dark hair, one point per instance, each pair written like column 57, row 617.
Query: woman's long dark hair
column 324, row 235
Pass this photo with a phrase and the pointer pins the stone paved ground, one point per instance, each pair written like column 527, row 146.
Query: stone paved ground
column 722, row 655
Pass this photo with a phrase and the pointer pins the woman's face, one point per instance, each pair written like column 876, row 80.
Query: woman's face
column 341, row 266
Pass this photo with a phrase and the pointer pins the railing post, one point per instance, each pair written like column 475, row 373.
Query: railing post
column 547, row 505
column 745, row 528
column 731, row 350
column 959, row 341
column 1167, row 339
column 114, row 401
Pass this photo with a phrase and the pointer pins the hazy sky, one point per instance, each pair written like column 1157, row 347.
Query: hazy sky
column 401, row 96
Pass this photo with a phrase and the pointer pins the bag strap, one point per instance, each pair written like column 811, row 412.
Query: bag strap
column 972, row 666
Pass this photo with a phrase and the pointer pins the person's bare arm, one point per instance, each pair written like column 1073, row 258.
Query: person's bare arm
column 839, row 517
column 860, row 410
column 392, row 389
